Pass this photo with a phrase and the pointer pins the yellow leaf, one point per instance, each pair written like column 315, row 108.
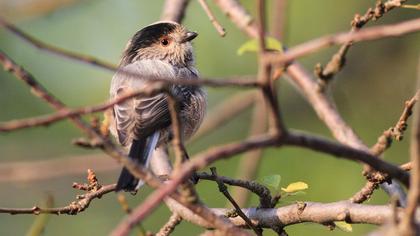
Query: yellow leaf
column 252, row 45
column 344, row 226
column 294, row 187
column 416, row 7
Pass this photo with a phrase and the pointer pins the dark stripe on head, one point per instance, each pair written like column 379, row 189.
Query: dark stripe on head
column 148, row 36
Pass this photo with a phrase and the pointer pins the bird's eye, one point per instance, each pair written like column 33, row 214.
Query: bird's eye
column 164, row 42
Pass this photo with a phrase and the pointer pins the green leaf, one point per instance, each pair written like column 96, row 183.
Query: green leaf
column 252, row 45
column 272, row 181
column 295, row 187
column 344, row 226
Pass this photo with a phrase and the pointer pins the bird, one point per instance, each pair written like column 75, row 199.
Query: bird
column 162, row 50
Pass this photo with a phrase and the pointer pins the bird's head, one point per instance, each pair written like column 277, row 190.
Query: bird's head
column 166, row 41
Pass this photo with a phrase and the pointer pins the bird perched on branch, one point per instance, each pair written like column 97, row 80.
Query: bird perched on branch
column 141, row 124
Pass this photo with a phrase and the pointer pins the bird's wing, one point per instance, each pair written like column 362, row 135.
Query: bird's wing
column 140, row 116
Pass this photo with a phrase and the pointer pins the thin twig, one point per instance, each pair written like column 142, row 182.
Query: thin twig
column 56, row 50
column 177, row 144
column 408, row 224
column 384, row 142
column 213, row 20
column 252, row 186
column 335, row 64
column 64, row 113
column 169, row 227
column 372, row 33
column 278, row 20
column 223, row 189
column 96, row 62
column 397, row 131
column 238, row 15
column 276, row 126
column 186, row 190
column 72, row 209
column 38, row 90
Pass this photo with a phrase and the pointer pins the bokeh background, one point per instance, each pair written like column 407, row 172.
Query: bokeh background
column 378, row 78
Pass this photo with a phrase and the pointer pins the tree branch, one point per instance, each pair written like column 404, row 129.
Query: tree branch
column 174, row 10
column 372, row 33
column 408, row 225
column 384, row 142
column 169, row 227
column 259, row 189
column 73, row 208
column 56, row 50
column 338, row 59
column 224, row 191
column 213, row 20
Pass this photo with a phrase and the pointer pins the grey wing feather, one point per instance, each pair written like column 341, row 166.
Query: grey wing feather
column 140, row 116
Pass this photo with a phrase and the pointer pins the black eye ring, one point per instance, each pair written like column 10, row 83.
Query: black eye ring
column 164, row 42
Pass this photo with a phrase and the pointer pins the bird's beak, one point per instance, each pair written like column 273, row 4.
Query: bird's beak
column 189, row 36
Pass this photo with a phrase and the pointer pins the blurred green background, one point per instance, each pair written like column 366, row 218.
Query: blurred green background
column 378, row 78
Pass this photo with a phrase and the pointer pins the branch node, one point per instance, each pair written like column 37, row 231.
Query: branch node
column 300, row 206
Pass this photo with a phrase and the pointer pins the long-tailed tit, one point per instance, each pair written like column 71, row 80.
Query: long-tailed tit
column 142, row 124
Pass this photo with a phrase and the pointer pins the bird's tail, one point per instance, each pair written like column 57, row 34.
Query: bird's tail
column 141, row 151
